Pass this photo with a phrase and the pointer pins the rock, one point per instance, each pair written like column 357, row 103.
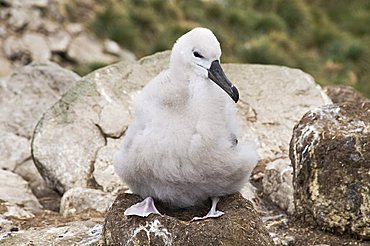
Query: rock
column 6, row 67
column 26, row 94
column 240, row 225
column 38, row 3
column 104, row 173
column 127, row 56
column 20, row 196
column 86, row 49
column 16, row 211
column 343, row 94
column 59, row 41
column 273, row 99
column 330, row 153
column 13, row 150
column 277, row 184
column 98, row 110
column 15, row 49
column 113, row 48
column 5, row 226
column 37, row 46
column 77, row 200
column 75, row 126
column 48, row 197
column 18, row 18
column 21, row 16
column 73, row 233
column 51, row 28
column 74, row 28
column 28, row 3
column 3, row 31
column 74, row 164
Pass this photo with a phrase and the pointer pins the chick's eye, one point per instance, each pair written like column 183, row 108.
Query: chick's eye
column 197, row 54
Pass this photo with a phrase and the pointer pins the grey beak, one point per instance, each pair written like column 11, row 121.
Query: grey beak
column 217, row 75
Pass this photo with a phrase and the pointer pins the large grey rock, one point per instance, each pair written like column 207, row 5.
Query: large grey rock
column 240, row 225
column 330, row 152
column 273, row 99
column 72, row 138
column 90, row 121
column 28, row 92
column 24, row 97
column 15, row 194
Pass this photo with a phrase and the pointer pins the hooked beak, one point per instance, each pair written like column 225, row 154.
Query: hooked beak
column 217, row 75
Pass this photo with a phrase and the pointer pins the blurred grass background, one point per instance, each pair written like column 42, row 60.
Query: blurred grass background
column 330, row 39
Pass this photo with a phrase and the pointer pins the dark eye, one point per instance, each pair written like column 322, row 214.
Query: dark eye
column 197, row 54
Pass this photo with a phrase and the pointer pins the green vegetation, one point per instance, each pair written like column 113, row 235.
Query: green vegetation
column 329, row 39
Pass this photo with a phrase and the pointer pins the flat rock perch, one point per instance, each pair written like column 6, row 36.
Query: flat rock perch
column 240, row 225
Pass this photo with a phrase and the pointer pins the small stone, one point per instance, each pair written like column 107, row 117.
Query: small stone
column 38, row 3
column 50, row 27
column 59, row 41
column 19, row 212
column 112, row 47
column 15, row 49
column 48, row 197
column 3, row 31
column 78, row 200
column 113, row 118
column 104, row 173
column 74, row 28
column 5, row 68
column 127, row 56
column 87, row 49
column 20, row 194
column 37, row 46
column 19, row 18
column 277, row 184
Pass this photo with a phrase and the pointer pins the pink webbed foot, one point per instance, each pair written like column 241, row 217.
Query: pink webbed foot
column 213, row 213
column 143, row 209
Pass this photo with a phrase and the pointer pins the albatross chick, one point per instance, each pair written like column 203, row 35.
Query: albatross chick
column 182, row 147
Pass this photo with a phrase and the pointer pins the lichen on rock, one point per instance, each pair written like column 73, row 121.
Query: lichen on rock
column 330, row 153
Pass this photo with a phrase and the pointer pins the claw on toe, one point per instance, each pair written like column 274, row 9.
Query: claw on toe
column 213, row 213
column 143, row 209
